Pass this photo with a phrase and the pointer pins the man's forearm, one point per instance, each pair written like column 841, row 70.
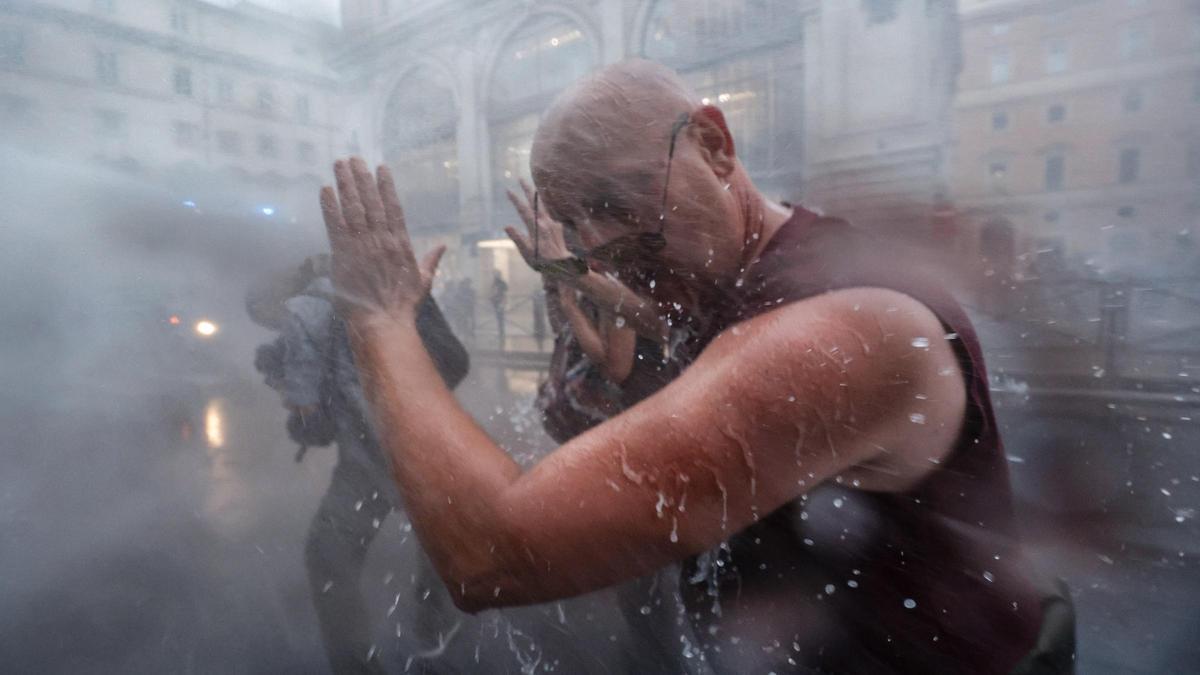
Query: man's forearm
column 451, row 475
column 616, row 297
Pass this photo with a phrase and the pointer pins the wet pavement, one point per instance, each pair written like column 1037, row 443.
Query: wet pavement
column 164, row 532
column 156, row 524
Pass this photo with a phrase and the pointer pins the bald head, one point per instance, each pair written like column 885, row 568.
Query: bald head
column 616, row 111
column 603, row 164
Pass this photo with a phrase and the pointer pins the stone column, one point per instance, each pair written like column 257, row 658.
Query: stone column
column 612, row 31
column 472, row 164
column 878, row 99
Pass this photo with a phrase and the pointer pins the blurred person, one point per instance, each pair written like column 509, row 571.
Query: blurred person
column 498, row 297
column 598, row 365
column 826, row 468
column 321, row 388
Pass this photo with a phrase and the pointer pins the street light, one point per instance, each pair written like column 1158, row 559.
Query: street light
column 206, row 328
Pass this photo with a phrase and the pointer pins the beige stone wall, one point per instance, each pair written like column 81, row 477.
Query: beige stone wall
column 1117, row 52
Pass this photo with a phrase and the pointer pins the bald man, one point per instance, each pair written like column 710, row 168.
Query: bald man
column 827, row 466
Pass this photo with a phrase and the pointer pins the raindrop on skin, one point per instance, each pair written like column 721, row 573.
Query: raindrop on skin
column 920, row 342
column 916, row 418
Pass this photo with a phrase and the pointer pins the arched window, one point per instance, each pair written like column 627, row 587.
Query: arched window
column 745, row 56
column 541, row 59
column 420, row 144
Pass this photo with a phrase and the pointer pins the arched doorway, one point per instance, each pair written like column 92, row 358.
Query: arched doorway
column 540, row 59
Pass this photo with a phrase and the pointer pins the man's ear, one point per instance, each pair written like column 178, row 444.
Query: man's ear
column 714, row 137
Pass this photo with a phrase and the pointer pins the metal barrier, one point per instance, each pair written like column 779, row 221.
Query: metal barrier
column 1066, row 334
column 1133, row 331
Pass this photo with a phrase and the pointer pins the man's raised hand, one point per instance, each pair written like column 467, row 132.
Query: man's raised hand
column 550, row 242
column 375, row 271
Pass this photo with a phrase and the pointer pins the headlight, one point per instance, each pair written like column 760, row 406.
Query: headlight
column 206, row 328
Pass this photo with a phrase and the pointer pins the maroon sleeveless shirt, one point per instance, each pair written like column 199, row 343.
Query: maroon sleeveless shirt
column 843, row 580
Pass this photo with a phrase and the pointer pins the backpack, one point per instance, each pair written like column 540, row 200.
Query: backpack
column 316, row 428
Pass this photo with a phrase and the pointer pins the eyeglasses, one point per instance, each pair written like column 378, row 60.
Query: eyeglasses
column 623, row 249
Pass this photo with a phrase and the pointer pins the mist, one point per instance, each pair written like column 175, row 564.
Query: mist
column 159, row 169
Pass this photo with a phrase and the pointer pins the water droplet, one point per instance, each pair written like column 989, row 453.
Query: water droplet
column 989, row 577
column 909, row 603
column 829, row 589
column 645, row 610
column 920, row 342
column 852, row 583
column 620, row 322
column 916, row 418
column 837, row 503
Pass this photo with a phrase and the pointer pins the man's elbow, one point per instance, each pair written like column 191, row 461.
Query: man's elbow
column 494, row 590
column 474, row 603
column 505, row 578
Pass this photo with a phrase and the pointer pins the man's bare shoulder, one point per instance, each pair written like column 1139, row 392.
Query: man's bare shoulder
column 873, row 360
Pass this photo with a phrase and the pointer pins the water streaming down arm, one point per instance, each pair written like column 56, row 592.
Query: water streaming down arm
column 502, row 537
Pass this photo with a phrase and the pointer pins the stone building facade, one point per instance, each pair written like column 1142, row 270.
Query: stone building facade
column 831, row 102
column 1077, row 135
column 166, row 85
